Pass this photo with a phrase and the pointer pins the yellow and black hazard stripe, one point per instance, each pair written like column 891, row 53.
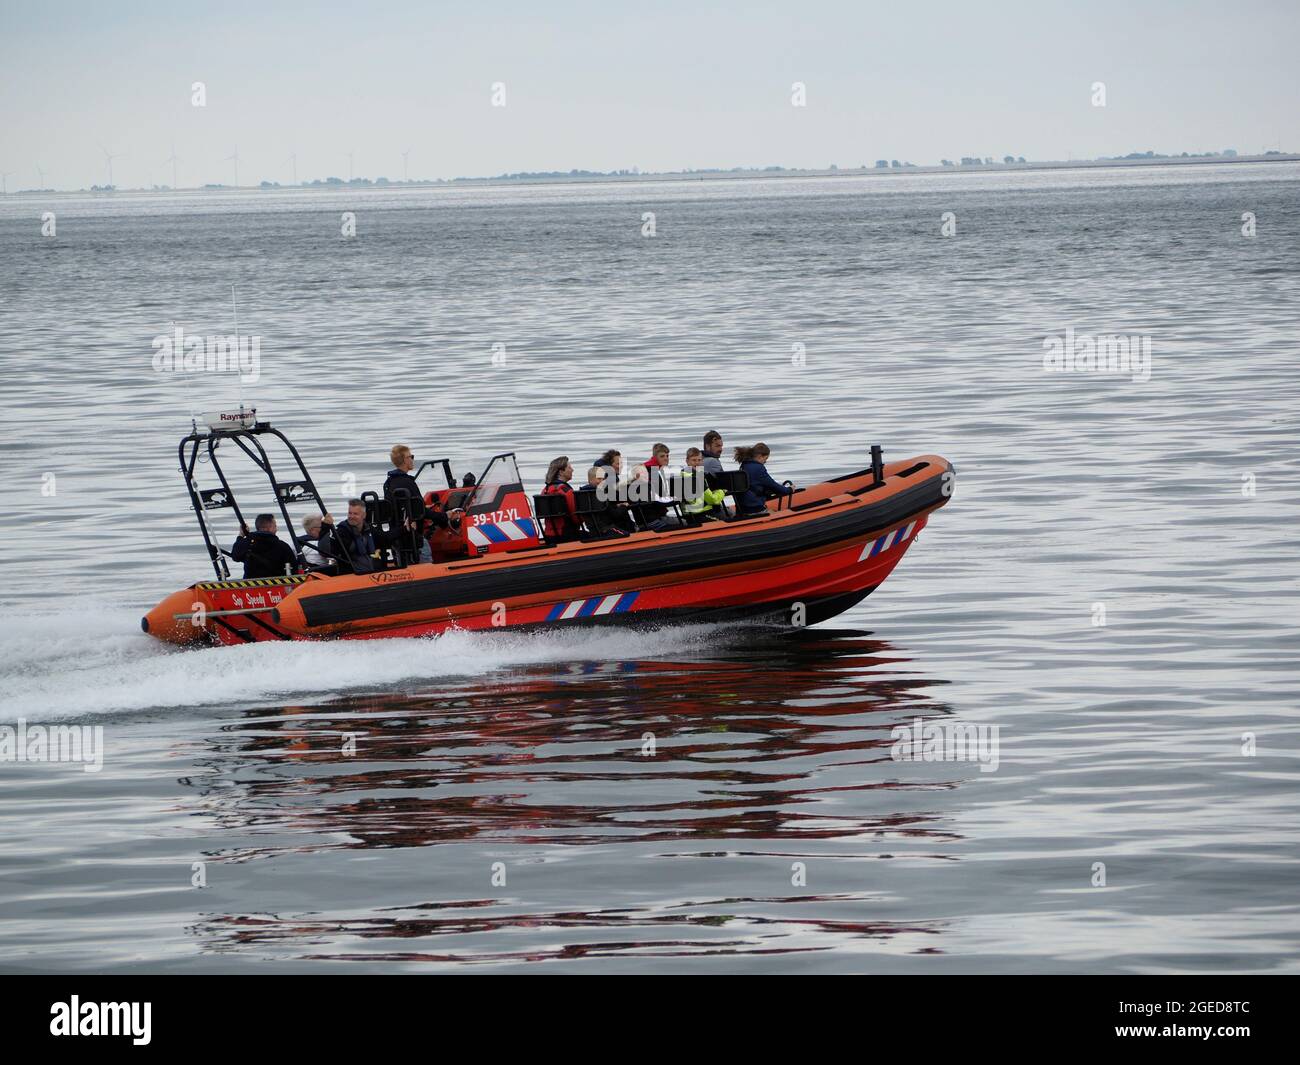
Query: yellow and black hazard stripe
column 251, row 582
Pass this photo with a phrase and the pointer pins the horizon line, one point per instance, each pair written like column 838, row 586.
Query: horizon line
column 967, row 164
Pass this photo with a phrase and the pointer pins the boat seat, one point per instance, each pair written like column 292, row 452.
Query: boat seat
column 588, row 502
column 381, row 514
column 551, row 506
column 379, row 511
column 597, row 516
column 733, row 482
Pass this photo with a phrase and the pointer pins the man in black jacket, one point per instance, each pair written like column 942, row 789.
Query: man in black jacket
column 262, row 552
column 355, row 543
column 409, row 510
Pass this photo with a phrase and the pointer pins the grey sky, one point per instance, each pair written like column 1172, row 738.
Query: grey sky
column 600, row 85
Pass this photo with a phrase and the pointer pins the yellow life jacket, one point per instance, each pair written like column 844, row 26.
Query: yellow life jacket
column 706, row 500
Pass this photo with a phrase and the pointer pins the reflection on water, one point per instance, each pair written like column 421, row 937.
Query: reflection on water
column 649, row 935
column 757, row 749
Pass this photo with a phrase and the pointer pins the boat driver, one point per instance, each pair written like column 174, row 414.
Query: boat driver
column 409, row 510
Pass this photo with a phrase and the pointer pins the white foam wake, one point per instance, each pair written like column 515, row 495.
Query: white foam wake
column 70, row 664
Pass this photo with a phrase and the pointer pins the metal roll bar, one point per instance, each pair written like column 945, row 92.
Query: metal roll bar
column 204, row 500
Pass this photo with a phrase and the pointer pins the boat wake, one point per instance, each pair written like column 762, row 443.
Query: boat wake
column 69, row 665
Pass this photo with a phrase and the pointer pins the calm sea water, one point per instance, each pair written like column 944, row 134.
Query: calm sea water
column 500, row 811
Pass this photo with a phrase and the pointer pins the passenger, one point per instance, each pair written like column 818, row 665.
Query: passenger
column 660, row 469
column 650, row 502
column 558, row 476
column 616, row 513
column 468, row 481
column 662, row 493
column 316, row 558
column 262, row 552
column 658, row 456
column 706, row 505
column 753, row 460
column 611, row 519
column 357, row 541
column 614, row 461
column 409, row 509
column 712, row 451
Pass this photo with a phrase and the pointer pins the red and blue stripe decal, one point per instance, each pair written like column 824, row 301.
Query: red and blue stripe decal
column 487, row 533
column 883, row 543
column 596, row 606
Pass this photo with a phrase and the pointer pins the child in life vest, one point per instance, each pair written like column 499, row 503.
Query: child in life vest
column 707, row 503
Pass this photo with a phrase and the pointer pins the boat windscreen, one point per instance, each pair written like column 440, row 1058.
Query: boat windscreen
column 502, row 471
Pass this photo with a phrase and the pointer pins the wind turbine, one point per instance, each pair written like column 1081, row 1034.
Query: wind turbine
column 405, row 174
column 41, row 174
column 235, row 158
column 349, row 168
column 108, row 158
column 173, row 160
column 4, row 182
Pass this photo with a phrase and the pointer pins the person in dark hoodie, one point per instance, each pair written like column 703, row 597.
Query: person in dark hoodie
column 409, row 509
column 752, row 502
column 262, row 552
column 613, row 459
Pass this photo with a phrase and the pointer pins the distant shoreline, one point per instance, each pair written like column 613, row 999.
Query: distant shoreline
column 679, row 176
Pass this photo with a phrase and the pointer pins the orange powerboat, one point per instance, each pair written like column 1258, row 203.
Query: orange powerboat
column 817, row 553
